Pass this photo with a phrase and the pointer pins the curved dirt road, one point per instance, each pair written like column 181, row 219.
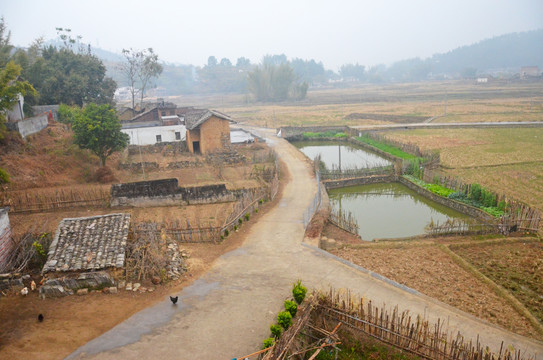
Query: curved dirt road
column 227, row 312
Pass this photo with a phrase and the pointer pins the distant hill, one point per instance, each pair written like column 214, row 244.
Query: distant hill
column 506, row 52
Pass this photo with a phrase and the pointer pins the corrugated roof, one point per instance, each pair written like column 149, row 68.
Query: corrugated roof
column 89, row 243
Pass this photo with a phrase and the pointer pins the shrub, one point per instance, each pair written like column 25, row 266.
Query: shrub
column 475, row 192
column 247, row 216
column 284, row 319
column 226, row 232
column 235, row 227
column 267, row 343
column 66, row 114
column 104, row 175
column 299, row 291
column 276, row 330
column 291, row 307
column 240, row 221
column 4, row 176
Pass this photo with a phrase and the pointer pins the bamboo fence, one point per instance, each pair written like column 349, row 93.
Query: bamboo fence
column 50, row 200
column 344, row 221
column 336, row 174
column 360, row 320
column 517, row 215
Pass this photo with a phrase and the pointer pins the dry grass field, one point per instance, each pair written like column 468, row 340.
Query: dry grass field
column 508, row 161
column 423, row 266
column 464, row 101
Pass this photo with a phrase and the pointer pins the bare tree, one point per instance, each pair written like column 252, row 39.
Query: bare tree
column 150, row 68
column 131, row 69
column 140, row 68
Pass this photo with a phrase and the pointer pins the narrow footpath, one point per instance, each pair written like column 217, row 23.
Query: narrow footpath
column 227, row 312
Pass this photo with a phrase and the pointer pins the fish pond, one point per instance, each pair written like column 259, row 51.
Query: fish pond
column 390, row 210
column 352, row 157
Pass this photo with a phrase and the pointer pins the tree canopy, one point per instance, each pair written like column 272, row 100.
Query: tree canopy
column 140, row 67
column 63, row 76
column 275, row 82
column 98, row 129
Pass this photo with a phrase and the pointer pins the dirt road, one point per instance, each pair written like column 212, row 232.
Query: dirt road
column 227, row 312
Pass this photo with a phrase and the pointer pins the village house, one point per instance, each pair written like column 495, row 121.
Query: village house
column 157, row 125
column 529, row 71
column 207, row 131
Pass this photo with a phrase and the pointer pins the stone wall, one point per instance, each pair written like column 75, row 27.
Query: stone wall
column 296, row 132
column 66, row 285
column 29, row 126
column 334, row 184
column 453, row 204
column 167, row 192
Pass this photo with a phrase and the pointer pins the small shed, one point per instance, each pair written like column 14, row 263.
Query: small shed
column 207, row 131
column 89, row 244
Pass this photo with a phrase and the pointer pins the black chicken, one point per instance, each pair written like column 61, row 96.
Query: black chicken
column 174, row 299
column 40, row 317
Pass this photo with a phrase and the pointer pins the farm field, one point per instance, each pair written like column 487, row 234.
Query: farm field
column 516, row 266
column 508, row 161
column 423, row 266
column 380, row 104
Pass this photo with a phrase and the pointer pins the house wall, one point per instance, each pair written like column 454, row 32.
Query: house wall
column 192, row 135
column 147, row 135
column 5, row 235
column 214, row 134
column 29, row 126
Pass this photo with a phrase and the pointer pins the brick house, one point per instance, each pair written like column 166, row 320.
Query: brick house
column 207, row 130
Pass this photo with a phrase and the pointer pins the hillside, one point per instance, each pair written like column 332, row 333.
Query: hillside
column 510, row 51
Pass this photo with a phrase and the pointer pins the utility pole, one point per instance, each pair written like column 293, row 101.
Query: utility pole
column 339, row 148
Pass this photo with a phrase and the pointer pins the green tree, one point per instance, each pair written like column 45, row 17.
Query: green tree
column 98, row 129
column 5, row 45
column 271, row 82
column 63, row 76
column 10, row 88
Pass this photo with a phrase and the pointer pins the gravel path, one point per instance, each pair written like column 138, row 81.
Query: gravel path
column 227, row 312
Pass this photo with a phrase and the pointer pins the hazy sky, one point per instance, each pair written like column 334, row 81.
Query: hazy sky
column 334, row 32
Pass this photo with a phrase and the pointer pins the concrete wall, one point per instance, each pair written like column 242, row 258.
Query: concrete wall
column 44, row 109
column 296, row 132
column 29, row 126
column 5, row 237
column 334, row 184
column 147, row 135
column 453, row 204
column 167, row 192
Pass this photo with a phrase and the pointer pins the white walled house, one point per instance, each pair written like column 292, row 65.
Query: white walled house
column 149, row 135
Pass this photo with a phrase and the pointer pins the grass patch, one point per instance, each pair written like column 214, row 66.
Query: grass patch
column 327, row 134
column 386, row 148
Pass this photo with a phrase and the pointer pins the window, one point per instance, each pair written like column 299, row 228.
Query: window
column 177, row 135
column 163, row 113
column 159, row 138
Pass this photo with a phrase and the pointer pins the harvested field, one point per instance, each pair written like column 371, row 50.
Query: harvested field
column 517, row 266
column 508, row 161
column 424, row 267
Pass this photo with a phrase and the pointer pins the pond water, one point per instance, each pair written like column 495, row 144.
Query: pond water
column 390, row 210
column 351, row 156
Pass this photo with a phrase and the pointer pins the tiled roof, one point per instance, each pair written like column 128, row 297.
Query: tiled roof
column 196, row 118
column 91, row 243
